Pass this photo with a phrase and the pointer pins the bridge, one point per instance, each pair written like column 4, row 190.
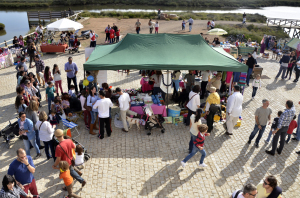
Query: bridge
column 289, row 25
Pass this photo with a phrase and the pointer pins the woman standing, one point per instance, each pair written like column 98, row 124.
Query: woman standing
column 205, row 76
column 195, row 121
column 71, row 39
column 47, row 75
column 291, row 64
column 210, row 107
column 20, row 104
column 21, row 92
column 250, row 63
column 157, row 78
column 31, row 50
column 176, row 75
column 269, row 188
column 32, row 114
column 215, row 82
column 31, row 91
column 86, row 113
column 10, row 189
column 57, row 78
column 46, row 134
column 193, row 103
column 151, row 26
column 27, row 132
column 91, row 100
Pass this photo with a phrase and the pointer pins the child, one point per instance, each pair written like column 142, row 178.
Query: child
column 21, row 74
column 72, row 91
column 198, row 146
column 274, row 126
column 256, row 84
column 183, row 24
column 57, row 78
column 156, row 27
column 118, row 36
column 79, row 160
column 65, row 103
column 50, row 94
column 111, row 35
column 53, row 118
column 66, row 176
column 293, row 125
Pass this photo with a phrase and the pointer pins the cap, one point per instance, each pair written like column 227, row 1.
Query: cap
column 58, row 132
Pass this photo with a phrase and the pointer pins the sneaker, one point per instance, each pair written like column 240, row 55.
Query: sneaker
column 83, row 184
column 256, row 145
column 249, row 142
column 267, row 142
column 202, row 165
column 38, row 156
column 182, row 164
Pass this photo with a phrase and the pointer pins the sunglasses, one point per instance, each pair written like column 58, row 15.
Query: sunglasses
column 22, row 98
column 253, row 195
column 265, row 183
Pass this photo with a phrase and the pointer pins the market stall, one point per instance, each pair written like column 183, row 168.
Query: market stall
column 6, row 59
column 64, row 25
column 53, row 47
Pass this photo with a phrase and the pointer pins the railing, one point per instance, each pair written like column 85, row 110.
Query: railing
column 284, row 22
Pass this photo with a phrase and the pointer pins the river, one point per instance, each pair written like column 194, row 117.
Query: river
column 16, row 22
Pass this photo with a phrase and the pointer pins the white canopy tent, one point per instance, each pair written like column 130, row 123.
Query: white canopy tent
column 64, row 25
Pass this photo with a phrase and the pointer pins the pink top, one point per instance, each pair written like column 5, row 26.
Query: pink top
column 298, row 47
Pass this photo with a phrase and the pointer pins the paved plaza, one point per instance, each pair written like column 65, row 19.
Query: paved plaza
column 137, row 165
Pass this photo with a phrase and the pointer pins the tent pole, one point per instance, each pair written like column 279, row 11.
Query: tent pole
column 167, row 92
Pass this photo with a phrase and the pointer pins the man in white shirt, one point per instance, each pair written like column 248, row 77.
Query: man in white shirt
column 212, row 24
column 124, row 104
column 233, row 109
column 249, row 191
column 191, row 21
column 103, row 106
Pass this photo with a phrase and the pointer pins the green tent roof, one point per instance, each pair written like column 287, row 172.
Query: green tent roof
column 293, row 43
column 163, row 52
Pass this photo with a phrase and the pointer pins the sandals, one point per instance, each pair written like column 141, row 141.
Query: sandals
column 65, row 188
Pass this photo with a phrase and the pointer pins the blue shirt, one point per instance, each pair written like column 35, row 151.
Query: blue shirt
column 22, row 64
column 286, row 117
column 91, row 100
column 73, row 66
column 20, row 171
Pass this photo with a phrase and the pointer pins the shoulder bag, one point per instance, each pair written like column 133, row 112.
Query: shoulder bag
column 88, row 108
column 237, row 193
column 189, row 101
column 72, row 160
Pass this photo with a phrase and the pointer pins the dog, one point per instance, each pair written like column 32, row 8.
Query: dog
column 133, row 121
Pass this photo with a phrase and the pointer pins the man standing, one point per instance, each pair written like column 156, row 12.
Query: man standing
column 22, row 63
column 233, row 109
column 22, row 169
column 190, row 81
column 251, row 64
column 124, row 103
column 249, row 191
column 284, row 62
column 283, row 125
column 244, row 18
column 40, row 67
column 262, row 115
column 138, row 26
column 116, row 30
column 103, row 106
column 212, row 25
column 63, row 152
column 191, row 21
column 72, row 70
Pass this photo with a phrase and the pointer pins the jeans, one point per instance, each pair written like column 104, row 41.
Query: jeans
column 289, row 137
column 87, row 118
column 138, row 29
column 282, row 134
column 283, row 70
column 75, row 175
column 254, row 132
column 37, row 138
column 194, row 151
column 94, row 116
column 50, row 144
column 183, row 27
column 50, row 99
column 104, row 121
column 298, row 129
column 156, row 90
column 188, row 118
column 33, row 143
column 190, row 27
column 289, row 71
column 74, row 79
column 269, row 136
column 193, row 138
column 93, row 44
column 254, row 91
column 151, row 30
column 248, row 75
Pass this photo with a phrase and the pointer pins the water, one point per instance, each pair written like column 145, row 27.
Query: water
column 16, row 22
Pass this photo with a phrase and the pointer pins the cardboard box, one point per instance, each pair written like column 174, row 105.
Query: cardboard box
column 177, row 119
column 168, row 120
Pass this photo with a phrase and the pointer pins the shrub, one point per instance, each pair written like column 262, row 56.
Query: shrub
column 2, row 26
column 167, row 19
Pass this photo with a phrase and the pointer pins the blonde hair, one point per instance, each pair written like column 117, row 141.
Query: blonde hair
column 257, row 75
column 43, row 116
column 33, row 106
column 63, row 165
column 219, row 74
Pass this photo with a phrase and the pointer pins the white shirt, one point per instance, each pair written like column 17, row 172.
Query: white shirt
column 56, row 77
column 46, row 131
column 205, row 75
column 239, row 196
column 82, row 101
column 194, row 102
column 191, row 21
column 103, row 107
column 212, row 24
column 79, row 159
column 39, row 29
column 91, row 35
column 194, row 128
column 124, row 101
column 156, row 25
column 254, row 55
column 256, row 83
column 234, row 104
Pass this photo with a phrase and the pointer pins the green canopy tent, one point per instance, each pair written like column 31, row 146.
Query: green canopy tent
column 293, row 43
column 163, row 52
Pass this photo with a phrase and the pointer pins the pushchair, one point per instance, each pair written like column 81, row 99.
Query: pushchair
column 152, row 121
column 9, row 132
column 74, row 48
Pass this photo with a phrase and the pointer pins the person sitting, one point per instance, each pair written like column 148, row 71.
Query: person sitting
column 16, row 42
column 216, row 42
column 10, row 189
column 79, row 160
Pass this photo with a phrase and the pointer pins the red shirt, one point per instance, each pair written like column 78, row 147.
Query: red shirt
column 67, row 146
column 112, row 33
column 208, row 23
column 200, row 139
column 118, row 33
column 292, row 126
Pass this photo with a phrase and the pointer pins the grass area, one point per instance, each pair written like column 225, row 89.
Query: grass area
column 187, row 3
column 184, row 15
column 254, row 32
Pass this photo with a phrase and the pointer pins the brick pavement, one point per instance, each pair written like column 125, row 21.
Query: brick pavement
column 137, row 165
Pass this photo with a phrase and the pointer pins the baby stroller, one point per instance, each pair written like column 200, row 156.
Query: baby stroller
column 151, row 120
column 74, row 48
column 9, row 132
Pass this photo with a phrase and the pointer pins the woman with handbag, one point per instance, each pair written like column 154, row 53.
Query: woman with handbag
column 27, row 132
column 91, row 100
column 86, row 112
column 193, row 104
column 46, row 132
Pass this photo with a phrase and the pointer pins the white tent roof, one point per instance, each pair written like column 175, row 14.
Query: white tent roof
column 64, row 25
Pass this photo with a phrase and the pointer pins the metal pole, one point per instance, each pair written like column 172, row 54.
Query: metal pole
column 167, row 91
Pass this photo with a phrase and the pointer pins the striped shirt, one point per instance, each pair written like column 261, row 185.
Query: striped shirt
column 286, row 118
column 200, row 139
column 14, row 193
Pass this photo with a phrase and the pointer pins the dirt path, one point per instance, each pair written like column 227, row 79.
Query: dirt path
column 128, row 26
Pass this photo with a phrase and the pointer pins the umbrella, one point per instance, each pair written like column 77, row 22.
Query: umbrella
column 64, row 25
column 217, row 31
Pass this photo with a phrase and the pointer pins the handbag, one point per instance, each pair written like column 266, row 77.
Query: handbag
column 72, row 160
column 189, row 101
column 88, row 108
